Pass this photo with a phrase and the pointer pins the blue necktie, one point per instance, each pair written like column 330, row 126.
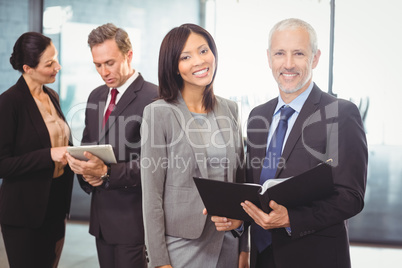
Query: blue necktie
column 262, row 238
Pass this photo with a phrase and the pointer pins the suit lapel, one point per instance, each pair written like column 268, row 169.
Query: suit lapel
column 99, row 108
column 55, row 101
column 262, row 139
column 126, row 99
column 309, row 107
column 264, row 122
column 188, row 125
column 34, row 114
column 225, row 123
column 222, row 112
column 56, row 104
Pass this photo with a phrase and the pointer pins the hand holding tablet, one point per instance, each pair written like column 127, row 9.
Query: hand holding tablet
column 104, row 152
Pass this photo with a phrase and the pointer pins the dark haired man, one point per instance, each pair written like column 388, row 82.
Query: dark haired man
column 113, row 116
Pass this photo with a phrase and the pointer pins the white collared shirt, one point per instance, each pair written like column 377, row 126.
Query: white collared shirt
column 121, row 90
column 297, row 105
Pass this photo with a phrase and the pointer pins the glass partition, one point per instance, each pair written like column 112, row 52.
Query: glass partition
column 14, row 17
column 366, row 70
column 68, row 23
column 366, row 67
column 241, row 29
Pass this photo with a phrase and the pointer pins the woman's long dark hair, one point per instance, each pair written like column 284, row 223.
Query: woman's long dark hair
column 170, row 82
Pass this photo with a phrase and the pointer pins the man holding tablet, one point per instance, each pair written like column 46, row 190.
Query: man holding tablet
column 113, row 116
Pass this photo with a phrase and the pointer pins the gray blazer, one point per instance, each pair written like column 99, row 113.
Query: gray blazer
column 173, row 153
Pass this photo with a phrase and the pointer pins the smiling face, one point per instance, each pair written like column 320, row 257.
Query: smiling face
column 113, row 66
column 196, row 63
column 48, row 67
column 291, row 60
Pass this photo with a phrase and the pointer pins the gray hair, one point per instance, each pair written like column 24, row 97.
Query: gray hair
column 110, row 31
column 293, row 23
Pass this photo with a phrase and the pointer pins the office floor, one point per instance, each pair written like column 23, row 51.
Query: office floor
column 79, row 251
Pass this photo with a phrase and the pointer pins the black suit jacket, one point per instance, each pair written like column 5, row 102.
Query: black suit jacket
column 116, row 206
column 325, row 128
column 25, row 161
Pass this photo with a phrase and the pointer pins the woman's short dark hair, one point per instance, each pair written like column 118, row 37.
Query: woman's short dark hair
column 170, row 82
column 28, row 49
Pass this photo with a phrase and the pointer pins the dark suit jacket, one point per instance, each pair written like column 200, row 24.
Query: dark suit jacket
column 116, row 206
column 325, row 128
column 25, row 161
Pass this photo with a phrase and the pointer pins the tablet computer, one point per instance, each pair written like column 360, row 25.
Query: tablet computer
column 104, row 152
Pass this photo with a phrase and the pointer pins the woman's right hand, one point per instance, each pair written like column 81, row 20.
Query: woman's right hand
column 58, row 154
column 164, row 266
column 223, row 223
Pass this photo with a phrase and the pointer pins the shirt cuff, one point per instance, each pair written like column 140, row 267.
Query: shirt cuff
column 240, row 229
column 289, row 231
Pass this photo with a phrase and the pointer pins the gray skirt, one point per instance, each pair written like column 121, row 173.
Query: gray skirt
column 212, row 249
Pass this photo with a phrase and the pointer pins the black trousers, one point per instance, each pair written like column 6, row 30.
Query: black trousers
column 39, row 247
column 36, row 248
column 120, row 256
column 265, row 259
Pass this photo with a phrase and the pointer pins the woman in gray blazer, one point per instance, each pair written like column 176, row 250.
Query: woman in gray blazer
column 189, row 132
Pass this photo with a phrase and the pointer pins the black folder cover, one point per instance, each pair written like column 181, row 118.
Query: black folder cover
column 224, row 198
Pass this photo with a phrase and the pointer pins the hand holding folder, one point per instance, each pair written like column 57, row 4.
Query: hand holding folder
column 224, row 198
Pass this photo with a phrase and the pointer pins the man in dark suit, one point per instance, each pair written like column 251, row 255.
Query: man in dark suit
column 116, row 207
column 320, row 127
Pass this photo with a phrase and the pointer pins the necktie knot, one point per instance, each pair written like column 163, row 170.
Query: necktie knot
column 112, row 103
column 286, row 112
column 114, row 93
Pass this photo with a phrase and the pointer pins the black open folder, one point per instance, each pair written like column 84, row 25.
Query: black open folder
column 224, row 198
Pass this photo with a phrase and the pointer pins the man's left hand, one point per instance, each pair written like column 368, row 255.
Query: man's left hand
column 94, row 167
column 277, row 218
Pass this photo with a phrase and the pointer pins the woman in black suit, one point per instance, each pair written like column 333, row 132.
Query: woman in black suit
column 37, row 183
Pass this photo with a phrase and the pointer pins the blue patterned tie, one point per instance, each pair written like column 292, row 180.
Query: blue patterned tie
column 262, row 238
